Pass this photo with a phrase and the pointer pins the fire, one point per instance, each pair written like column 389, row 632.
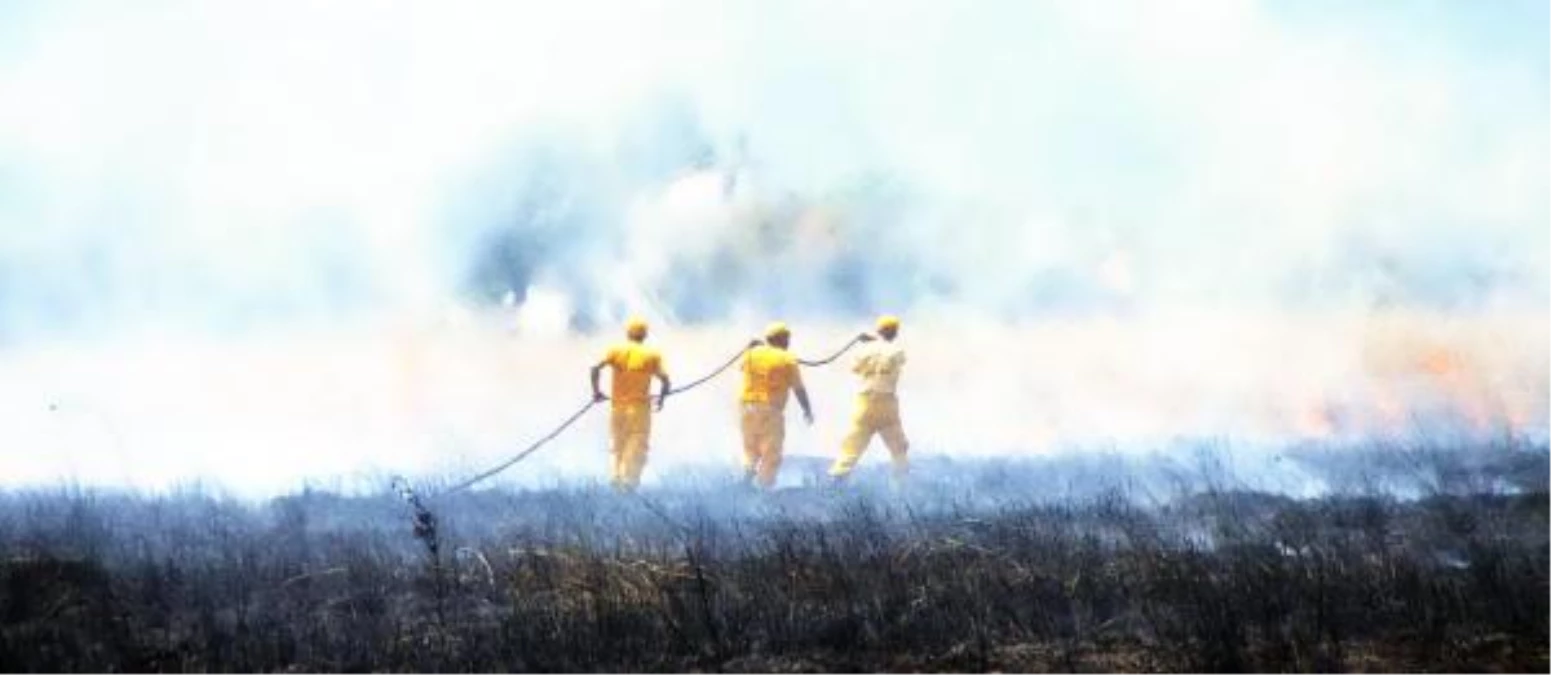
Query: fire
column 1316, row 422
column 1414, row 369
column 1430, row 371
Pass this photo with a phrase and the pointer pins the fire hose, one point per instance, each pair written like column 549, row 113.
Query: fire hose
column 541, row 442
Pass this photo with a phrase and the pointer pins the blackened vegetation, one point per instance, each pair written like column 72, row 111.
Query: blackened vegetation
column 960, row 574
column 425, row 531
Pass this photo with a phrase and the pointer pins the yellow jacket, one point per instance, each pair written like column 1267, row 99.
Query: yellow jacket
column 879, row 365
column 633, row 364
column 768, row 374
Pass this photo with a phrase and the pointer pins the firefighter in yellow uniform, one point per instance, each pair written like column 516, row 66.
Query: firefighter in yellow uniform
column 877, row 406
column 769, row 372
column 633, row 365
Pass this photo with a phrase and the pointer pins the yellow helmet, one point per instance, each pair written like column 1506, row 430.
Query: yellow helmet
column 635, row 328
column 888, row 322
column 776, row 328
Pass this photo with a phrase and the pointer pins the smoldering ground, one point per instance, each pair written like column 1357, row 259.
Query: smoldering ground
column 1171, row 562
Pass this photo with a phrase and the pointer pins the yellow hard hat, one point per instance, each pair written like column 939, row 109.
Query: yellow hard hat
column 635, row 328
column 776, row 328
column 887, row 322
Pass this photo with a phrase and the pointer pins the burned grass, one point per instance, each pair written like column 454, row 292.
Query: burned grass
column 1451, row 576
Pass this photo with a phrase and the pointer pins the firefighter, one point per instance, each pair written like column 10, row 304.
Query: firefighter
column 632, row 365
column 877, row 405
column 769, row 372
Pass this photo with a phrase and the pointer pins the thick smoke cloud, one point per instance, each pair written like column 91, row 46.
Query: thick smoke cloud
column 247, row 162
column 230, row 181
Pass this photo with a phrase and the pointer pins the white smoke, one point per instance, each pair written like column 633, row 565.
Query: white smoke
column 189, row 183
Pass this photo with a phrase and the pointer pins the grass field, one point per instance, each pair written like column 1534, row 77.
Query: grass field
column 1408, row 557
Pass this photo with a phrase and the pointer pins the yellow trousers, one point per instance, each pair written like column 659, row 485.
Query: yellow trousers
column 764, row 431
column 874, row 414
column 630, row 425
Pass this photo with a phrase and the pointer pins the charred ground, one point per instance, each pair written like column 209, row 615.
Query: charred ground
column 1422, row 557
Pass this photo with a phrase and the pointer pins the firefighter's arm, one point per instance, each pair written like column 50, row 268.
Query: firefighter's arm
column 666, row 387
column 859, row 364
column 802, row 400
column 801, row 393
column 597, row 394
column 863, row 365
